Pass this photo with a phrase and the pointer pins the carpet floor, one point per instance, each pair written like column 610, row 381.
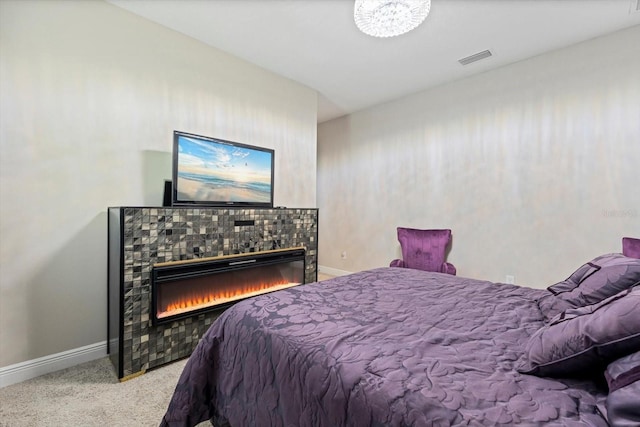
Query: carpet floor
column 90, row 395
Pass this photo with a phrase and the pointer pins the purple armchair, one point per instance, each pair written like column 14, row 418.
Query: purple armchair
column 631, row 247
column 424, row 250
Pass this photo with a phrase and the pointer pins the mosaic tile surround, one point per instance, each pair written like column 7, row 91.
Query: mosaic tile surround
column 141, row 236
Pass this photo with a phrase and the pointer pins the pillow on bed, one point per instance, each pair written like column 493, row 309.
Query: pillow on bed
column 550, row 306
column 623, row 378
column 593, row 282
column 581, row 340
column 581, row 274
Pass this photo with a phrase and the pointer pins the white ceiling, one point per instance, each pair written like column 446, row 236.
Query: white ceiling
column 316, row 43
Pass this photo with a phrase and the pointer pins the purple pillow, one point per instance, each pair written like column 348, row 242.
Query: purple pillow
column 424, row 249
column 631, row 247
column 550, row 306
column 581, row 274
column 581, row 340
column 623, row 401
column 593, row 282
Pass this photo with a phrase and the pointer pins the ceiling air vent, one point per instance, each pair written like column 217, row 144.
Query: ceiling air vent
column 475, row 57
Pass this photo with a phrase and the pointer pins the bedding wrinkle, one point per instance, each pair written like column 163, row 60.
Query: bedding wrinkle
column 384, row 347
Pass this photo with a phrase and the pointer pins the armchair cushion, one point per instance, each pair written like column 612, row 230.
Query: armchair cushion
column 424, row 250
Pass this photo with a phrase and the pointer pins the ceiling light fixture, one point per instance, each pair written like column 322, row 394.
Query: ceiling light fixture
column 388, row 18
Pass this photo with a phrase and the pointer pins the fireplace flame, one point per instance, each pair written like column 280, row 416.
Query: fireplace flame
column 209, row 298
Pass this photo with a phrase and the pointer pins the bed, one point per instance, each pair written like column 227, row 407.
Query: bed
column 404, row 347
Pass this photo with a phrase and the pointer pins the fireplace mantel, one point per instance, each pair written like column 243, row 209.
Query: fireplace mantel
column 140, row 237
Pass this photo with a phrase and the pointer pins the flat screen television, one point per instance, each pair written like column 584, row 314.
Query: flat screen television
column 214, row 172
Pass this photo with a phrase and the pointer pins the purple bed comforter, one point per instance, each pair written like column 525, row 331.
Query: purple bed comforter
column 385, row 347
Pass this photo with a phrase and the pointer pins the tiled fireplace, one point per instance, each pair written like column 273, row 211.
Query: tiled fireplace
column 145, row 242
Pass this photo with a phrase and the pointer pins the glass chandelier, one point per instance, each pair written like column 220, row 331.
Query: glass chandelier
column 388, row 18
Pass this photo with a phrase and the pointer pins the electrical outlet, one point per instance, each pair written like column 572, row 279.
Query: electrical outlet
column 510, row 279
column 343, row 255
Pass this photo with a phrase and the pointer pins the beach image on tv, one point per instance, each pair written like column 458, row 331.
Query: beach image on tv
column 210, row 171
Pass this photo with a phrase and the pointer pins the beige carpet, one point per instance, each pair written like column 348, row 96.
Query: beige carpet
column 90, row 395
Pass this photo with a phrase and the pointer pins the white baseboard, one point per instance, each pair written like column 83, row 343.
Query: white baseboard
column 332, row 271
column 23, row 371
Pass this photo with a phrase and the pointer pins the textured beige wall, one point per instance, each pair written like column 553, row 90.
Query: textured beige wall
column 534, row 166
column 90, row 95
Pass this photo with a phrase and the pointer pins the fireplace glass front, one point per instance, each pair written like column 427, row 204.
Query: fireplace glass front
column 185, row 288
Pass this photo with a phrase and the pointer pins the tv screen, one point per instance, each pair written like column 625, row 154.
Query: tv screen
column 214, row 172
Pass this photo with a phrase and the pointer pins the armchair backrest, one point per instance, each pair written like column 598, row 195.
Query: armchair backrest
column 424, row 249
column 631, row 247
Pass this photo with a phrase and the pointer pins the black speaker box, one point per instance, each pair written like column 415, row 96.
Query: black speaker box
column 168, row 189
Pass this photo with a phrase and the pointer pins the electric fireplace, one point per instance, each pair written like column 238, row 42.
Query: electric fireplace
column 185, row 288
column 143, row 237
